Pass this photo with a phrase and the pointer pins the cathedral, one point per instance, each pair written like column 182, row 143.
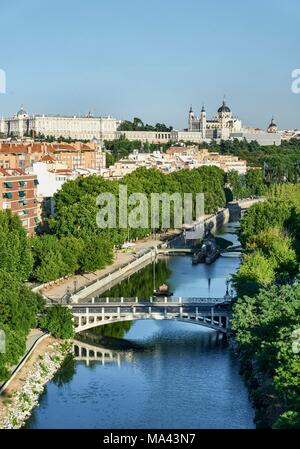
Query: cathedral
column 220, row 127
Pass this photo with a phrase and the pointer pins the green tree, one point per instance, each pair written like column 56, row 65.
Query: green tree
column 59, row 322
column 15, row 251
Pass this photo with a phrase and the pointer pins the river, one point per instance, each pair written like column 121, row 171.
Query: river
column 164, row 375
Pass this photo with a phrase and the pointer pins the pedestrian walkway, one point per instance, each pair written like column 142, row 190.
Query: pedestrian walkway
column 74, row 283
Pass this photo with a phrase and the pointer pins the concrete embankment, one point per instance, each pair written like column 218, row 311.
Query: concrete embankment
column 17, row 403
column 114, row 277
column 91, row 284
column 216, row 221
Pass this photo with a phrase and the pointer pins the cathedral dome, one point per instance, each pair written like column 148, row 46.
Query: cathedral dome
column 21, row 112
column 224, row 108
column 272, row 127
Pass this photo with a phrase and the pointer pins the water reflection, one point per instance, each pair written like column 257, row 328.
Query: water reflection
column 152, row 374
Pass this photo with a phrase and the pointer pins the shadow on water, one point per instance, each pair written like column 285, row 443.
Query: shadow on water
column 152, row 374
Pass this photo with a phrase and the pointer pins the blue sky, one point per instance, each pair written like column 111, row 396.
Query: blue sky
column 152, row 58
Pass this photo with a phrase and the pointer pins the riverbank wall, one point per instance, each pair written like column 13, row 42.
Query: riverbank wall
column 215, row 221
column 22, row 362
column 16, row 408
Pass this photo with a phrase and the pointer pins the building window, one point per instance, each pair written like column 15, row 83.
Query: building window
column 7, row 195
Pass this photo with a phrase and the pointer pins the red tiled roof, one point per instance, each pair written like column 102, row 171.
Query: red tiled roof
column 12, row 172
column 47, row 158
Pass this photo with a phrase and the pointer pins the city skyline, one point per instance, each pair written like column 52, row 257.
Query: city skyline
column 110, row 62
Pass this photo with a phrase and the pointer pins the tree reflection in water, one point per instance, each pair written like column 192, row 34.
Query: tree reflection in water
column 143, row 282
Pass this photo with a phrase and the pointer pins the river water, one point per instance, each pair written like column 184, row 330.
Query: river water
column 164, row 375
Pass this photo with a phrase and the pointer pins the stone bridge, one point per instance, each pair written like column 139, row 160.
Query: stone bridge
column 213, row 313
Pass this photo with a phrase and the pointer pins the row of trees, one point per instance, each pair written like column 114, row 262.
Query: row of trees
column 19, row 306
column 122, row 147
column 251, row 184
column 279, row 163
column 266, row 315
column 138, row 125
column 75, row 243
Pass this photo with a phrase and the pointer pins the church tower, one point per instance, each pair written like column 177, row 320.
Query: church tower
column 203, row 122
column 191, row 119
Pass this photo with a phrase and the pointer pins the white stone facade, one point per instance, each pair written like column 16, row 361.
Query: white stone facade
column 220, row 127
column 87, row 127
column 146, row 136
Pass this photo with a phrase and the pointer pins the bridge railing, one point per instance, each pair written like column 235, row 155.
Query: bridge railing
column 159, row 299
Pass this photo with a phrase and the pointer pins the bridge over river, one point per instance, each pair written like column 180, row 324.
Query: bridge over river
column 213, row 313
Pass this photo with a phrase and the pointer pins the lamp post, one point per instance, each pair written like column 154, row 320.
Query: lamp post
column 227, row 295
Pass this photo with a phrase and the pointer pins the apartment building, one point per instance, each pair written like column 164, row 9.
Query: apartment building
column 76, row 155
column 79, row 156
column 18, row 193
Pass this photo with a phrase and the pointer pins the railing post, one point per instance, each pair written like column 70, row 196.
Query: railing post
column 197, row 314
column 180, row 299
column 212, row 315
column 93, row 300
column 165, row 312
column 166, row 299
column 107, row 300
column 149, row 310
column 103, row 312
column 133, row 310
column 180, row 312
column 151, row 299
column 122, row 299
column 136, row 299
column 119, row 311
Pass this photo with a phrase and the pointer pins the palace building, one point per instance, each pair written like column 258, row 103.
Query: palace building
column 74, row 127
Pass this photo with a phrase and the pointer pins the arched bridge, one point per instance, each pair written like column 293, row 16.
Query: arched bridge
column 208, row 312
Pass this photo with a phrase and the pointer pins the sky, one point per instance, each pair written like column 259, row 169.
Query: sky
column 151, row 58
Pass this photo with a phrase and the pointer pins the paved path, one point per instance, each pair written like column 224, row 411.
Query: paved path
column 32, row 337
column 58, row 290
